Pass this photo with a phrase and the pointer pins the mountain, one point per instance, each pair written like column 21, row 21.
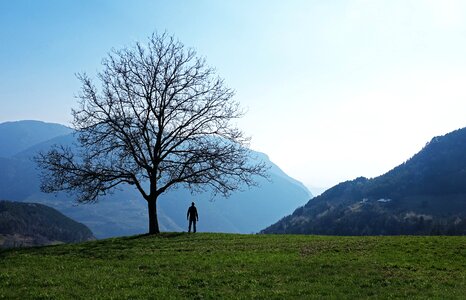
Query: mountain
column 425, row 195
column 20, row 135
column 125, row 212
column 33, row 224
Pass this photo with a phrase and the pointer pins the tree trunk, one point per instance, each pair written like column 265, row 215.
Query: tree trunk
column 153, row 222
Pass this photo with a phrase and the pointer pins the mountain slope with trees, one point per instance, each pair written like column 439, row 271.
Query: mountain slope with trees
column 33, row 224
column 425, row 195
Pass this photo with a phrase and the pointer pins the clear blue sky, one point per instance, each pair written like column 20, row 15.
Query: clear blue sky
column 334, row 89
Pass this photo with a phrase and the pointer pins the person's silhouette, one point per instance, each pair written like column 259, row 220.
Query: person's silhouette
column 192, row 217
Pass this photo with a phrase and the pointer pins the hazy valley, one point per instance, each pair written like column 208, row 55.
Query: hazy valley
column 125, row 212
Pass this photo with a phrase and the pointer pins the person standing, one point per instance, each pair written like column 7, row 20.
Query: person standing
column 192, row 216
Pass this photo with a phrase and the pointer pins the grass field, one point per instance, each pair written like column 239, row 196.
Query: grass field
column 217, row 266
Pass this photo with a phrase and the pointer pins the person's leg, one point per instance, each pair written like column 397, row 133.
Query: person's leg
column 189, row 229
column 194, row 224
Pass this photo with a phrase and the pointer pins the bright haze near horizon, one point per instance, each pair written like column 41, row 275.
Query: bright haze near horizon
column 333, row 89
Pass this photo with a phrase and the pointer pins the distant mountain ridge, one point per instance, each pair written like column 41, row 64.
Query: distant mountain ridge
column 125, row 212
column 425, row 195
column 33, row 224
column 20, row 135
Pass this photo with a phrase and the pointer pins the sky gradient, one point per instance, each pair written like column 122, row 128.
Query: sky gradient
column 333, row 89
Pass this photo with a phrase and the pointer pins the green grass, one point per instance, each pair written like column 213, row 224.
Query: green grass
column 214, row 266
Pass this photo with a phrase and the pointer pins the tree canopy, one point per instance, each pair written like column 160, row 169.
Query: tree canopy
column 161, row 118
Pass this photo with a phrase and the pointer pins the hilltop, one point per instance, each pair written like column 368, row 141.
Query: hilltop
column 219, row 266
column 425, row 195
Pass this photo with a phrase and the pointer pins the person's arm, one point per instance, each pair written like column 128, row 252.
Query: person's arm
column 187, row 215
column 197, row 216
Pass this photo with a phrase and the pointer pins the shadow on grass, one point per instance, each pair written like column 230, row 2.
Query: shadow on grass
column 166, row 235
column 26, row 249
column 89, row 246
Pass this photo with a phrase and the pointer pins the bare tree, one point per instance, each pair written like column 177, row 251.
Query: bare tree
column 161, row 119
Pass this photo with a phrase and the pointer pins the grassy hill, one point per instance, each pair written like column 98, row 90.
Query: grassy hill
column 214, row 266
